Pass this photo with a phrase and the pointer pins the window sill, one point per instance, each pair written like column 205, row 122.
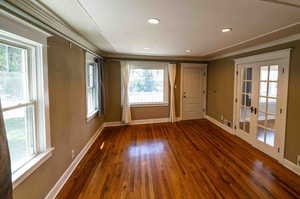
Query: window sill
column 91, row 116
column 149, row 105
column 30, row 167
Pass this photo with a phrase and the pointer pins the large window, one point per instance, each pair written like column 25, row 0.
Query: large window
column 148, row 84
column 92, row 88
column 22, row 98
column 18, row 102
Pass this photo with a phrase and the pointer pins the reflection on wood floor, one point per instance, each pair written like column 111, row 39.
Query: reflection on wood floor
column 188, row 159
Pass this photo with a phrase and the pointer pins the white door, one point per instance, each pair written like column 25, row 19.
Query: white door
column 268, row 127
column 260, row 105
column 244, row 102
column 193, row 91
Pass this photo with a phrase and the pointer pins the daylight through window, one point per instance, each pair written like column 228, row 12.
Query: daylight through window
column 18, row 103
column 148, row 85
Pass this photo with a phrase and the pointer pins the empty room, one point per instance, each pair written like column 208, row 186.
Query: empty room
column 140, row 99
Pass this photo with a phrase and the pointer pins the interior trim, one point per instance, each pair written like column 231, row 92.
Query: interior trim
column 219, row 124
column 33, row 11
column 121, row 57
column 292, row 3
column 248, row 41
column 291, row 166
column 66, row 175
column 280, row 54
column 259, row 47
column 40, row 16
column 286, row 163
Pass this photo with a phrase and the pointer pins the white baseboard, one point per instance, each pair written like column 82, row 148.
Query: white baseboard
column 178, row 119
column 291, row 166
column 219, row 124
column 149, row 121
column 66, row 175
column 286, row 163
column 135, row 122
column 108, row 124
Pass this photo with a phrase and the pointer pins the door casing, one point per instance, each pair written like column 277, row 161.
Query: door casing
column 283, row 56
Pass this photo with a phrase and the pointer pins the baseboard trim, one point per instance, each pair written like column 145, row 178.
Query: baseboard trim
column 219, row 124
column 149, row 121
column 136, row 122
column 291, row 166
column 286, row 163
column 110, row 124
column 66, row 175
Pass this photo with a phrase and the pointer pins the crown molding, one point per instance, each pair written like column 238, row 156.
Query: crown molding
column 259, row 47
column 284, row 29
column 35, row 12
column 116, row 56
column 38, row 14
column 292, row 3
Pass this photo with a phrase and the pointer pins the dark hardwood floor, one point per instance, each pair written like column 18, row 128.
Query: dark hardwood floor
column 188, row 159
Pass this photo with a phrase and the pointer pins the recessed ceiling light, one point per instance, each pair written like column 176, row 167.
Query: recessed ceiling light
column 226, row 29
column 146, row 48
column 153, row 21
column 188, row 51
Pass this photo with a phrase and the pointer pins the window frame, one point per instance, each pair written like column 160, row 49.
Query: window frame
column 90, row 61
column 34, row 41
column 149, row 66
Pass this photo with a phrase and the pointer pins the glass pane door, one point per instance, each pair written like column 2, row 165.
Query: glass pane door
column 267, row 104
column 245, row 99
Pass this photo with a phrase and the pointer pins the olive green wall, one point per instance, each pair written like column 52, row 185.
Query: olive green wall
column 220, row 82
column 69, row 128
column 221, row 93
column 113, row 97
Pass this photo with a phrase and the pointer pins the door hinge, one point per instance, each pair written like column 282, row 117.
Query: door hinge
column 235, row 127
column 236, row 100
column 278, row 149
column 237, row 72
column 280, row 111
column 282, row 70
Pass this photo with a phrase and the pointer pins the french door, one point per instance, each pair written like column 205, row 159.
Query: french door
column 260, row 104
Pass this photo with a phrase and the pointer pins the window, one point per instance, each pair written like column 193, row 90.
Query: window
column 148, row 84
column 23, row 87
column 18, row 104
column 92, row 88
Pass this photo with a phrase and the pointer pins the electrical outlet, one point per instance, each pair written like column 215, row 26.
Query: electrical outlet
column 222, row 118
column 73, row 154
column 298, row 160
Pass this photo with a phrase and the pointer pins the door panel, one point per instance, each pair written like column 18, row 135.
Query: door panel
column 245, row 90
column 267, row 131
column 258, row 88
column 192, row 103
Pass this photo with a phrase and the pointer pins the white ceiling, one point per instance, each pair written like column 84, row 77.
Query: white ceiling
column 120, row 26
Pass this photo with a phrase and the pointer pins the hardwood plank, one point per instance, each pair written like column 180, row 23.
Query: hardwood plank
column 188, row 159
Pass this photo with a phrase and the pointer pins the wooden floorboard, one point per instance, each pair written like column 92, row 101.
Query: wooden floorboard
column 188, row 159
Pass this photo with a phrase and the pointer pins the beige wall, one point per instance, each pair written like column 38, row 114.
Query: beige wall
column 221, row 94
column 113, row 97
column 69, row 129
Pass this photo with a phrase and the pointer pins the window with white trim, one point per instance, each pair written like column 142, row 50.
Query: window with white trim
column 21, row 92
column 92, row 88
column 148, row 84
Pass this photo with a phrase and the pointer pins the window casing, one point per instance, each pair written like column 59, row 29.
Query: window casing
column 148, row 84
column 92, row 89
column 23, row 103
